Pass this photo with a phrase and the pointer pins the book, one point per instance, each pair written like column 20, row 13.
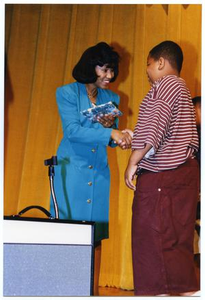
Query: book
column 103, row 109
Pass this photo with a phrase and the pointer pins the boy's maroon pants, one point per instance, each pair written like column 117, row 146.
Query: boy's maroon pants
column 163, row 222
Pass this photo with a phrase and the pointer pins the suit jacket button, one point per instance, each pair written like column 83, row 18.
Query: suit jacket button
column 89, row 201
column 93, row 150
column 89, row 183
column 90, row 167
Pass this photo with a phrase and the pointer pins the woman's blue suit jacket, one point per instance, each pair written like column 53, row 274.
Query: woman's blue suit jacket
column 82, row 176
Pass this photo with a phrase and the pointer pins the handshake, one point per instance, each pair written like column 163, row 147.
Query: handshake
column 122, row 138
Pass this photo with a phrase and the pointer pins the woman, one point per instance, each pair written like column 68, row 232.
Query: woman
column 82, row 177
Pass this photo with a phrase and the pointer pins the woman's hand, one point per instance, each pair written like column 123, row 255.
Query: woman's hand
column 123, row 139
column 106, row 120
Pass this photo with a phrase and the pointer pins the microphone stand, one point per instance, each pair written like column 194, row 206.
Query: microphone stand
column 51, row 173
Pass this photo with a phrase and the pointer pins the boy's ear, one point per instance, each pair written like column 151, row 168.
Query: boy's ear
column 161, row 63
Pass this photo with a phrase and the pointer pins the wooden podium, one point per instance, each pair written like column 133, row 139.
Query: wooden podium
column 43, row 257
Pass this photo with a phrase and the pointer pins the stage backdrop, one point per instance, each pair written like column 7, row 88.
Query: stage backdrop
column 43, row 42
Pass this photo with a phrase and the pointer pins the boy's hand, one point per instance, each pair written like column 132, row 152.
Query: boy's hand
column 135, row 158
column 130, row 175
column 122, row 139
column 128, row 131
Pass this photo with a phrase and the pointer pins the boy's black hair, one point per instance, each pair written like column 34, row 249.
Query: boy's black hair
column 100, row 54
column 170, row 51
column 196, row 100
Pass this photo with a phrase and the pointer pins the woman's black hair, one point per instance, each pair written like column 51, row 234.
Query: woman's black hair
column 170, row 51
column 98, row 55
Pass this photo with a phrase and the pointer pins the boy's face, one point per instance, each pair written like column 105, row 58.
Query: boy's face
column 153, row 70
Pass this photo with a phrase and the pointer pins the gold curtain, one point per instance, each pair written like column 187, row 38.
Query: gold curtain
column 43, row 43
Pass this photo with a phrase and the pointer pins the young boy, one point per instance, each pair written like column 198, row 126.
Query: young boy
column 164, row 207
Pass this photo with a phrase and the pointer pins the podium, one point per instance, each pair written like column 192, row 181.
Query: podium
column 43, row 257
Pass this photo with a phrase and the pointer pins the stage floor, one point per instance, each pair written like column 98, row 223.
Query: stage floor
column 112, row 291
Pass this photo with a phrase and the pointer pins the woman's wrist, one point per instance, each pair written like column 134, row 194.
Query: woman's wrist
column 115, row 135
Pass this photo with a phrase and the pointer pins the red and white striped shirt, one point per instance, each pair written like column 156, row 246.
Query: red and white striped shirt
column 167, row 122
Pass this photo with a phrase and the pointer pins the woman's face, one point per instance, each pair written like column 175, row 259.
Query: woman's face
column 105, row 75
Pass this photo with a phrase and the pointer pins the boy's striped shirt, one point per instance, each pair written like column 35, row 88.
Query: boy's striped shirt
column 167, row 122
